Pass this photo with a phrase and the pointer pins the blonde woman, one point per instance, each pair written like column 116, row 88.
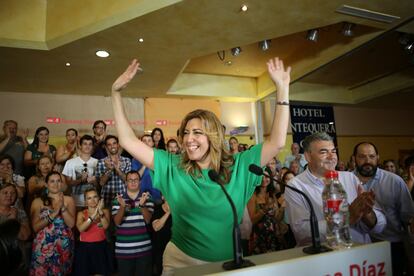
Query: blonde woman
column 202, row 228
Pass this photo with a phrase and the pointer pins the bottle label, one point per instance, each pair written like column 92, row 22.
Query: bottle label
column 334, row 204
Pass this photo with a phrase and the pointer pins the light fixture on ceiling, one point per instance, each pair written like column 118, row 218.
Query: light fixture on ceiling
column 140, row 40
column 67, row 64
column 236, row 51
column 409, row 47
column 313, row 35
column 221, row 55
column 244, row 8
column 264, row 45
column 228, row 63
column 102, row 53
column 347, row 29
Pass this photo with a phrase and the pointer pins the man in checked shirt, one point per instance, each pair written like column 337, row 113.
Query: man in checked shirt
column 112, row 170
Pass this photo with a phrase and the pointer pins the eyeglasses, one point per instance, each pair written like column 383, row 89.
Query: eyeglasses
column 136, row 180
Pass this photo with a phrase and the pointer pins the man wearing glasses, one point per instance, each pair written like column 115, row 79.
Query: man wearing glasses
column 131, row 212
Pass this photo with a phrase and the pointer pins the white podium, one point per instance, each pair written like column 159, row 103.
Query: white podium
column 360, row 260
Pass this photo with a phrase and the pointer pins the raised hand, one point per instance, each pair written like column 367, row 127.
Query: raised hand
column 278, row 74
column 121, row 200
column 123, row 80
column 144, row 197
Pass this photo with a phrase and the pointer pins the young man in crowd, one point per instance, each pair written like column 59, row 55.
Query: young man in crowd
column 80, row 171
column 131, row 212
column 112, row 170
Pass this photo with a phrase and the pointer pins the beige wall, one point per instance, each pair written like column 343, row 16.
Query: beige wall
column 74, row 111
column 168, row 113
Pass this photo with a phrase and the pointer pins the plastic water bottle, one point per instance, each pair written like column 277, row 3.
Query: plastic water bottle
column 336, row 211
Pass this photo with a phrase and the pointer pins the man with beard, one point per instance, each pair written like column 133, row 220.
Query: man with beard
column 392, row 195
column 320, row 152
column 111, row 171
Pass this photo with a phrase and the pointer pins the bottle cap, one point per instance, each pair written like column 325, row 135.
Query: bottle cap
column 331, row 174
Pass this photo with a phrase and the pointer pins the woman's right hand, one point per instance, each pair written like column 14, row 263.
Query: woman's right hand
column 123, row 80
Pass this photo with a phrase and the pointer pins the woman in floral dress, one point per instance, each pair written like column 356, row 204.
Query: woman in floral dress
column 53, row 216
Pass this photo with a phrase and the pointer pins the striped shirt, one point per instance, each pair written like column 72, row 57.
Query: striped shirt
column 132, row 236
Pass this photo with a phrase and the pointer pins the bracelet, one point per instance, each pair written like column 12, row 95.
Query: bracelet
column 89, row 220
column 282, row 102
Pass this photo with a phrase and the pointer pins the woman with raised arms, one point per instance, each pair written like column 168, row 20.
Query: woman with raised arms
column 202, row 228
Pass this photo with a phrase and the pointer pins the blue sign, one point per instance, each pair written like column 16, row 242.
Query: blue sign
column 308, row 119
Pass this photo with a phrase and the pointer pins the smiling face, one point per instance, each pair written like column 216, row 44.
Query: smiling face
column 92, row 199
column 196, row 144
column 112, row 146
column 6, row 165
column 321, row 157
column 43, row 136
column 390, row 166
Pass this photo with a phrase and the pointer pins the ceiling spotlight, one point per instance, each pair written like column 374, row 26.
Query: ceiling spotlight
column 264, row 45
column 102, row 53
column 236, row 51
column 347, row 29
column 244, row 8
column 313, row 35
column 141, row 40
column 409, row 47
column 67, row 64
column 228, row 63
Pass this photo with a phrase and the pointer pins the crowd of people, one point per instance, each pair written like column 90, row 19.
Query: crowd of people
column 103, row 204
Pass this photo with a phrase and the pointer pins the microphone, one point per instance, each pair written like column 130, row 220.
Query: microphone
column 316, row 246
column 238, row 261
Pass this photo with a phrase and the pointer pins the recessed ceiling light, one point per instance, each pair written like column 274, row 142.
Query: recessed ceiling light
column 140, row 40
column 228, row 63
column 244, row 8
column 67, row 64
column 102, row 53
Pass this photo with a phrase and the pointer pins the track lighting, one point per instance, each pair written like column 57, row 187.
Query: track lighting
column 236, row 51
column 264, row 45
column 347, row 29
column 313, row 35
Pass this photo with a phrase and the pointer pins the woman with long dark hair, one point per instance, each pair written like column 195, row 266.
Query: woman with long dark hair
column 158, row 138
column 53, row 217
column 38, row 148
